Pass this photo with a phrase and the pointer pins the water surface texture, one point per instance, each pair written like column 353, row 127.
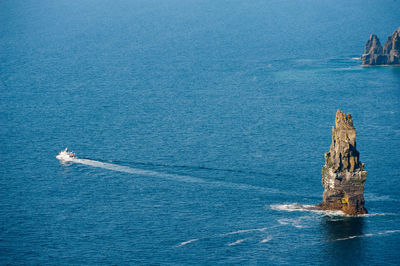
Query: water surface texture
column 200, row 127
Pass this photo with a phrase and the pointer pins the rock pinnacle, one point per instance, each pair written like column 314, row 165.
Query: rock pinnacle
column 343, row 174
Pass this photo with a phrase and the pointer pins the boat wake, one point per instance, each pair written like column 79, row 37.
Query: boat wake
column 68, row 158
column 137, row 171
column 173, row 177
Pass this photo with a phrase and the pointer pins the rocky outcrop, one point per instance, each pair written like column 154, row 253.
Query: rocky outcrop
column 392, row 48
column 374, row 54
column 343, row 174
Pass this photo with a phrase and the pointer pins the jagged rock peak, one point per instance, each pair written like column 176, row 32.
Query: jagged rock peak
column 374, row 54
column 343, row 120
column 392, row 47
column 343, row 174
column 373, row 45
column 343, row 154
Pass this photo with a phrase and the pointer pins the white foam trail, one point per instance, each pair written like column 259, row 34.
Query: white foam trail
column 130, row 170
column 368, row 235
column 293, row 222
column 347, row 238
column 188, row 242
column 377, row 214
column 390, row 231
column 230, row 233
column 347, row 68
column 299, row 226
column 283, row 222
column 291, row 207
column 245, row 231
column 175, row 177
column 268, row 238
column 356, row 58
column 237, row 242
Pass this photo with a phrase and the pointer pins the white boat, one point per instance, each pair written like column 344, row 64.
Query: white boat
column 66, row 155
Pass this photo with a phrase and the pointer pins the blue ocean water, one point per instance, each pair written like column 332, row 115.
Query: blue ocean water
column 202, row 125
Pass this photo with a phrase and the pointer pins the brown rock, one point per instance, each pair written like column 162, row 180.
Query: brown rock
column 343, row 174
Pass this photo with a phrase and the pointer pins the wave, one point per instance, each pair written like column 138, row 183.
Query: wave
column 188, row 242
column 377, row 214
column 230, row 233
column 292, row 207
column 352, row 68
column 268, row 238
column 238, row 242
column 246, row 231
column 293, row 222
column 368, row 235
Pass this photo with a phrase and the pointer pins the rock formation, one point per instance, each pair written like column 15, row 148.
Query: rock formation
column 374, row 54
column 343, row 174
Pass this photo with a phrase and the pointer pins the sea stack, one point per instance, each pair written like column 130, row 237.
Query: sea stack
column 374, row 54
column 343, row 174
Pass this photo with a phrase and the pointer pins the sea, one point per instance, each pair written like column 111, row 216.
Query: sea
column 200, row 128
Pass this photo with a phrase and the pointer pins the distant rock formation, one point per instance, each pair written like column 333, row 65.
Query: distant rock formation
column 374, row 54
column 343, row 174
